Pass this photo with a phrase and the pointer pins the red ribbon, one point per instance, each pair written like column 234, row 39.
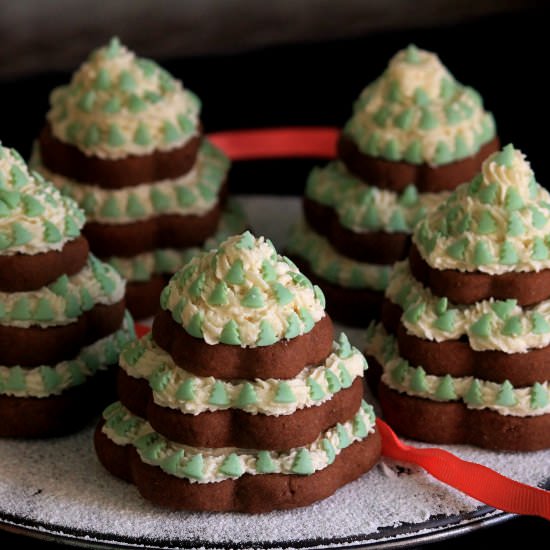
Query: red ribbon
column 473, row 479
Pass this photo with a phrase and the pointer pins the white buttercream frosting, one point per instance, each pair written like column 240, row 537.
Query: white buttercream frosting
column 204, row 465
column 504, row 399
column 117, row 104
column 34, row 216
column 243, row 293
column 498, row 223
column 417, row 112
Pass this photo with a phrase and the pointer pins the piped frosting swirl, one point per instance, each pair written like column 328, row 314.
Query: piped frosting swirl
column 418, row 113
column 34, row 216
column 498, row 223
column 118, row 104
column 243, row 294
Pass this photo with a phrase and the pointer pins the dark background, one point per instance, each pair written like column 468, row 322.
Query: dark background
column 504, row 55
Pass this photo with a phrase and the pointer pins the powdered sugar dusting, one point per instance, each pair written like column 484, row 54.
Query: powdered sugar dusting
column 59, row 487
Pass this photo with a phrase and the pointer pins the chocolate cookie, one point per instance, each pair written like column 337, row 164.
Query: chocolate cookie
column 143, row 298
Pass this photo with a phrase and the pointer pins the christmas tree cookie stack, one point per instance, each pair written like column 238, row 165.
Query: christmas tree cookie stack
column 239, row 399
column 62, row 313
column 124, row 139
column 415, row 134
column 464, row 346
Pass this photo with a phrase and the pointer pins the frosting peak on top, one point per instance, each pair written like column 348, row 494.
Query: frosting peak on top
column 417, row 112
column 117, row 104
column 34, row 216
column 244, row 294
column 497, row 223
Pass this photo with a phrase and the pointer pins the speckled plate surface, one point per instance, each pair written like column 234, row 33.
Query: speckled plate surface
column 57, row 490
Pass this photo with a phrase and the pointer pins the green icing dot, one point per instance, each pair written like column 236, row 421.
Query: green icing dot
column 60, row 286
column 397, row 222
column 170, row 132
column 413, row 313
column 538, row 396
column 126, row 82
column 344, row 347
column 465, row 224
column 161, row 202
column 506, row 156
column 428, row 120
column 177, row 312
column 92, row 136
column 18, row 177
column 283, row 296
column 185, row 123
column 4, row 210
column 268, row 271
column 482, row 327
column 134, row 208
column 86, row 299
column 218, row 395
column 381, row 116
column 253, row 298
column 409, row 197
column 113, row 48
column 359, row 426
column 506, row 396
column 333, row 382
column 76, row 375
column 319, row 294
column 329, row 449
column 515, row 226
column 315, row 390
column 235, row 275
column 538, row 218
column 159, row 379
column 194, row 467
column 443, row 153
column 232, row 466
column 453, row 114
column 111, row 107
column 87, row 101
column 164, row 296
column 230, row 334
column 413, row 153
column 457, row 249
column 20, row 235
column 186, row 390
column 486, row 224
column 152, row 97
column 512, row 326
column 394, row 93
column 218, row 297
column 10, row 198
column 115, row 137
column 343, row 436
column 246, row 241
column 482, row 254
column 194, row 328
column 264, row 463
column 508, row 254
column 16, row 379
column 172, row 462
column 284, row 393
column 391, row 150
column 445, row 390
column 294, row 327
column 513, row 200
column 247, row 396
column 540, row 324
column 412, row 54
column 421, row 98
column 72, row 306
column 136, row 104
column 540, row 250
column 404, row 119
column 43, row 310
column 473, row 395
column 102, row 80
column 185, row 197
column 345, row 376
column 446, row 321
column 71, row 227
column 110, row 208
column 302, row 464
column 418, row 380
column 503, row 308
column 267, row 335
column 195, row 289
column 372, row 145
column 461, row 148
column 141, row 135
column 488, row 194
column 89, row 203
column 21, row 310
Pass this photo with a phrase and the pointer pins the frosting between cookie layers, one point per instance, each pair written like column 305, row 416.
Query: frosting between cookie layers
column 195, row 193
column 143, row 266
column 417, row 112
column 117, row 104
column 64, row 300
column 499, row 325
column 361, row 207
column 496, row 224
column 202, row 465
column 474, row 393
column 176, row 388
column 244, row 294
column 34, row 217
column 327, row 263
column 44, row 381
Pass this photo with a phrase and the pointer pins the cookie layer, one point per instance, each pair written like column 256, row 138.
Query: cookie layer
column 396, row 175
column 454, row 423
column 527, row 288
column 34, row 346
column 283, row 359
column 22, row 272
column 68, row 160
column 143, row 298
